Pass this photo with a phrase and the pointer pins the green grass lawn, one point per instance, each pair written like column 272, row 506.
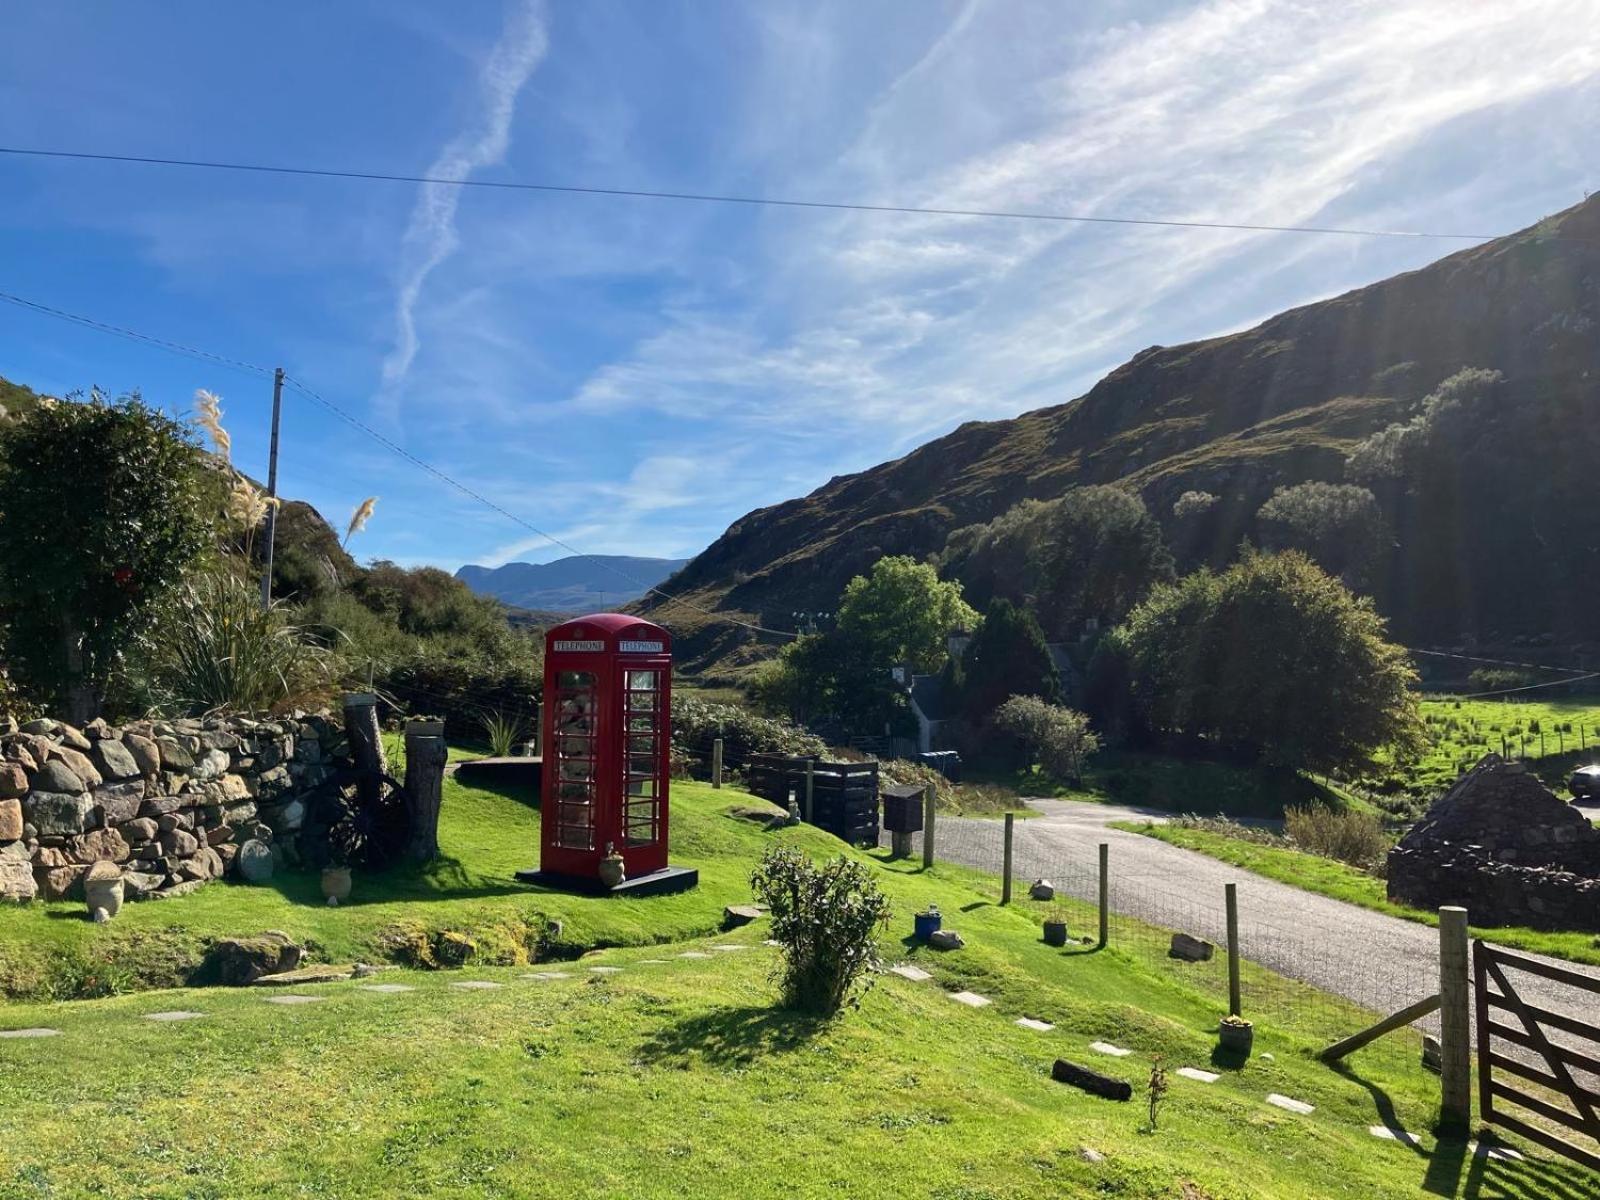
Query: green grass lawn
column 1329, row 878
column 681, row 1078
column 1461, row 732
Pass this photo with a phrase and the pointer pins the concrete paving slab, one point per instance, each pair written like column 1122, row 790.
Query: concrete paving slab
column 1290, row 1104
column 475, row 985
column 386, row 989
column 1198, row 1075
column 971, row 999
column 176, row 1015
column 907, row 971
column 1108, row 1048
column 1030, row 1023
column 292, row 998
column 29, row 1033
column 1390, row 1134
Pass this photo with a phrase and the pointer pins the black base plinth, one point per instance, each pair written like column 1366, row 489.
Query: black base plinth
column 657, row 883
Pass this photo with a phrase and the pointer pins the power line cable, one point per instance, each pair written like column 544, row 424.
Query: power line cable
column 715, row 198
column 1498, row 662
column 395, row 447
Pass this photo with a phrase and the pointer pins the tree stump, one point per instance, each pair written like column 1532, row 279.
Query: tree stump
column 366, row 744
column 426, row 754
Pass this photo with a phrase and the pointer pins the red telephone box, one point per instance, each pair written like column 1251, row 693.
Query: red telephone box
column 606, row 739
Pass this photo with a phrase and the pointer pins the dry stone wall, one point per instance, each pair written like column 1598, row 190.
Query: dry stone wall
column 170, row 803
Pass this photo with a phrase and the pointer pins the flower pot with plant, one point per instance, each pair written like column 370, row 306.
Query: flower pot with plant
column 1236, row 1034
column 1055, row 928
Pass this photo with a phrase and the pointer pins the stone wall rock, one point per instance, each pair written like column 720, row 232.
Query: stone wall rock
column 169, row 802
column 1504, row 847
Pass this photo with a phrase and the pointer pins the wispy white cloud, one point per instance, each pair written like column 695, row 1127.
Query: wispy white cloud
column 431, row 236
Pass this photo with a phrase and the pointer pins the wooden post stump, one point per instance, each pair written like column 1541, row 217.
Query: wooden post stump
column 366, row 743
column 426, row 755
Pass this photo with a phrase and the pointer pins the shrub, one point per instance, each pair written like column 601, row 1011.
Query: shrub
column 697, row 723
column 1058, row 738
column 1357, row 838
column 222, row 650
column 827, row 920
column 1498, row 679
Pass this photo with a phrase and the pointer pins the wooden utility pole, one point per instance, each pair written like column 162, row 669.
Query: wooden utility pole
column 426, row 754
column 272, row 490
column 1231, row 893
column 1005, row 878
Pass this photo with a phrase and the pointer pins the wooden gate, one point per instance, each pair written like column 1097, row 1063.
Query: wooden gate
column 1565, row 1073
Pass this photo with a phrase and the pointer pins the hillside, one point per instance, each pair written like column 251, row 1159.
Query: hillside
column 577, row 584
column 1501, row 550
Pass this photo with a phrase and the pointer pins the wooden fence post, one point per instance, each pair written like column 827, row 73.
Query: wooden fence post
column 366, row 742
column 1005, row 878
column 927, row 826
column 426, row 755
column 1231, row 892
column 1105, row 893
column 1455, row 1038
column 811, row 781
column 716, row 763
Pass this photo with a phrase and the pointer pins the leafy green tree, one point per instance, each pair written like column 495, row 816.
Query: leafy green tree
column 1056, row 737
column 1338, row 525
column 832, row 679
column 902, row 612
column 101, row 515
column 1449, row 421
column 1092, row 553
column 1006, row 657
column 1276, row 658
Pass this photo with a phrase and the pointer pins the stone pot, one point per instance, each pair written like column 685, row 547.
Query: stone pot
column 612, row 869
column 1055, row 933
column 336, row 885
column 103, row 894
column 1237, row 1038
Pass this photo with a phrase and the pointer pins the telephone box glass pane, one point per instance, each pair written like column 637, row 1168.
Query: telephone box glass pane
column 642, row 681
column 641, row 722
column 575, row 767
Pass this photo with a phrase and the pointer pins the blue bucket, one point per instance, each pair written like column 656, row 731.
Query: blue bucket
column 926, row 923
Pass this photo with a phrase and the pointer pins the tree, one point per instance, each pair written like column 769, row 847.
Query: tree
column 1057, row 738
column 1338, row 525
column 101, row 515
column 902, row 613
column 1275, row 658
column 1449, row 420
column 1092, row 553
column 1006, row 657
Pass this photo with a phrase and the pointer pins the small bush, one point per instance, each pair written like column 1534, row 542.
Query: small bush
column 827, row 920
column 1357, row 838
column 697, row 723
column 1058, row 738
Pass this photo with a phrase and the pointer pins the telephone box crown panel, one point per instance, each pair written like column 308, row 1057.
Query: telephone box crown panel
column 607, row 700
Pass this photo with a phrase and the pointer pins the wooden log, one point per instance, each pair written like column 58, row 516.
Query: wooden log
column 426, row 754
column 1091, row 1081
column 1408, row 1014
column 366, row 742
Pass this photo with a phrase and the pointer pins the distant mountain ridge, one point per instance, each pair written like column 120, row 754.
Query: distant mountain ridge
column 577, row 584
column 1508, row 547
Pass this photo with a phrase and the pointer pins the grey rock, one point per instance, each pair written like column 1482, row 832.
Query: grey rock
column 16, row 752
column 40, row 725
column 141, row 829
column 178, row 843
column 211, row 765
column 116, row 761
column 160, row 805
column 56, row 776
column 254, row 861
column 100, row 845
column 175, row 756
column 239, row 814
column 1190, row 949
column 1432, row 1054
column 81, row 766
column 139, row 885
column 16, row 879
column 13, row 781
column 946, row 939
column 119, row 802
column 735, row 915
column 146, row 754
column 71, row 737
column 10, row 819
column 238, row 962
column 58, row 812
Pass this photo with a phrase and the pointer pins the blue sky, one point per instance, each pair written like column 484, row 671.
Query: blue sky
column 632, row 375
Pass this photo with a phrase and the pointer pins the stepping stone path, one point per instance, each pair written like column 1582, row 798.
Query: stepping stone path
column 387, row 989
column 1479, row 1150
column 1030, row 1023
column 29, row 1033
column 606, row 970
column 292, row 998
column 474, row 985
column 1108, row 1048
column 1198, row 1075
column 907, row 971
column 1290, row 1104
column 970, row 999
column 1395, row 1135
column 173, row 1016
column 772, row 942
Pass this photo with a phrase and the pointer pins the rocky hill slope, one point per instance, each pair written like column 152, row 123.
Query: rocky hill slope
column 1504, row 550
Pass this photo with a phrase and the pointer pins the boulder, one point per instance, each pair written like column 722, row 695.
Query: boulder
column 115, row 760
column 71, row 738
column 216, row 835
column 81, row 766
column 58, row 883
column 238, row 962
column 13, row 781
column 175, row 756
column 40, row 748
column 178, row 843
column 57, row 776
column 255, row 861
column 101, row 845
column 140, row 829
column 97, row 729
column 146, row 754
column 16, row 752
column 210, row 765
column 1042, row 889
column 51, row 856
column 1190, row 949
column 735, row 915
column 454, row 949
column 58, row 812
column 119, row 802
column 239, row 814
column 946, row 939
column 219, row 739
column 10, row 820
column 139, row 885
column 16, row 880
column 42, row 726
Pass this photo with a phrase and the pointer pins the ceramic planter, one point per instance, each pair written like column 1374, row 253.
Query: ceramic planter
column 103, row 895
column 1237, row 1038
column 336, row 885
column 1055, row 933
column 612, row 869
